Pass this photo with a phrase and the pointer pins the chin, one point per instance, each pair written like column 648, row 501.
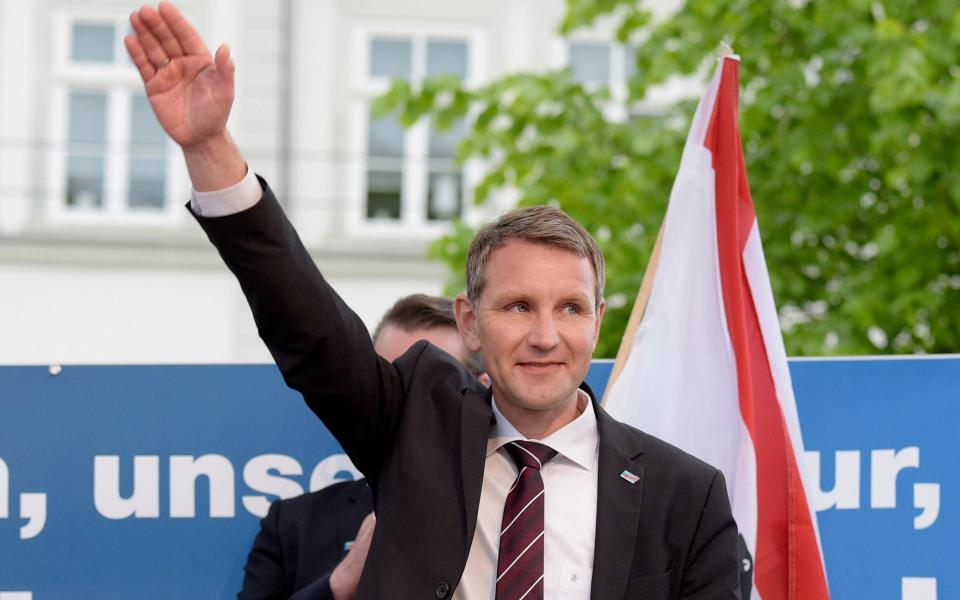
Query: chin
column 536, row 395
column 546, row 401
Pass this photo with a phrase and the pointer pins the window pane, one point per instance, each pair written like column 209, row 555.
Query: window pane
column 590, row 63
column 92, row 43
column 390, row 58
column 86, row 157
column 144, row 127
column 444, row 199
column 629, row 62
column 148, row 165
column 443, row 144
column 385, row 137
column 447, row 58
column 85, row 181
column 147, row 183
column 383, row 194
column 88, row 117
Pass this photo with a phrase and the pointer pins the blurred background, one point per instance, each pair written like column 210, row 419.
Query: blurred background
column 391, row 129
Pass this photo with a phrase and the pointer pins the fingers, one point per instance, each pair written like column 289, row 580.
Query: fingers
column 366, row 531
column 139, row 57
column 224, row 63
column 161, row 31
column 369, row 522
column 155, row 53
column 186, row 35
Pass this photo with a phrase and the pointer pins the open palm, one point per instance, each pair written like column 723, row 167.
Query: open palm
column 191, row 92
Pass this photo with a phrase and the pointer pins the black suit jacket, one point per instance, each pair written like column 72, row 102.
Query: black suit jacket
column 302, row 539
column 417, row 428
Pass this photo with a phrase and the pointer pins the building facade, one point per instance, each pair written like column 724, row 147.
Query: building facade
column 99, row 261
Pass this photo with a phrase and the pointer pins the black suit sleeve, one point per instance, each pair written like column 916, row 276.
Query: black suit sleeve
column 712, row 569
column 320, row 345
column 264, row 577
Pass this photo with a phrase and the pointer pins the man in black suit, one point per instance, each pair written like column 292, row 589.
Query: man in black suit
column 315, row 545
column 312, row 546
column 613, row 512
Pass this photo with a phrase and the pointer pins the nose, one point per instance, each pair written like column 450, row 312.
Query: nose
column 543, row 333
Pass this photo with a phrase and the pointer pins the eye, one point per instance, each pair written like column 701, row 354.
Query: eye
column 519, row 307
column 571, row 309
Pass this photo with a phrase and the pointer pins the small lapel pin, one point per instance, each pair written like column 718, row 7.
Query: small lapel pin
column 630, row 477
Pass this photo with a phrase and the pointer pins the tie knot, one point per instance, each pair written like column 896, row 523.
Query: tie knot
column 530, row 454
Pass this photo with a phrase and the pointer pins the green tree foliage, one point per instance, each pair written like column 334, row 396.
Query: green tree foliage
column 849, row 116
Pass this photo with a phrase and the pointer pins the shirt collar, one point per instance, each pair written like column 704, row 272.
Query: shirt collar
column 576, row 441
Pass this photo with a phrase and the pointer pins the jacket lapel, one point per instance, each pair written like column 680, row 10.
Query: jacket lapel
column 618, row 506
column 476, row 417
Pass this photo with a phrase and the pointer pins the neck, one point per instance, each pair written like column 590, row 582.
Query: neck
column 538, row 424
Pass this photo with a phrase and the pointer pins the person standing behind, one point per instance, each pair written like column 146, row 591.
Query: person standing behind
column 301, row 540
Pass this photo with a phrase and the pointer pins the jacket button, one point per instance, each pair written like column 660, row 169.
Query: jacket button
column 443, row 590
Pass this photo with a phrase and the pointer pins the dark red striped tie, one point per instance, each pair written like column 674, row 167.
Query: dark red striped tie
column 520, row 563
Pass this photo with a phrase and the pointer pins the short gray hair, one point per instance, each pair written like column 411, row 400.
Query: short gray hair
column 420, row 311
column 540, row 225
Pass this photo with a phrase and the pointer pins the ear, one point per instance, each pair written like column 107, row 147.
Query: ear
column 601, row 308
column 466, row 321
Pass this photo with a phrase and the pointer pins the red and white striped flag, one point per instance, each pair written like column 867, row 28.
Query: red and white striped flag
column 705, row 367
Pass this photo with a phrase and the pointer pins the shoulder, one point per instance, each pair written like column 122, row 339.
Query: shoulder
column 429, row 365
column 660, row 457
column 345, row 492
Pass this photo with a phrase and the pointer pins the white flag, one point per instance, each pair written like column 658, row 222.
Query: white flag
column 707, row 370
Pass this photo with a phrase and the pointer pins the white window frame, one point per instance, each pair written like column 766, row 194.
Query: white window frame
column 413, row 222
column 120, row 81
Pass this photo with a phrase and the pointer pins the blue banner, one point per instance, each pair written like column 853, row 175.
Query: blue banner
column 148, row 481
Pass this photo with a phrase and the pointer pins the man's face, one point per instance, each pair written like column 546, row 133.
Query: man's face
column 536, row 325
column 394, row 341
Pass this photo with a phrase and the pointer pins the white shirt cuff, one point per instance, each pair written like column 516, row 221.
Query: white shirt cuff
column 236, row 198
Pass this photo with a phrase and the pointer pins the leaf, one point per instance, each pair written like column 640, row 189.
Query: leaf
column 394, row 98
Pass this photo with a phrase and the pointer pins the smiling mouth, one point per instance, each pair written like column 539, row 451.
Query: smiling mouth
column 539, row 366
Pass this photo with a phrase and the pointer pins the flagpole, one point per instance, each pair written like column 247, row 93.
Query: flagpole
column 636, row 315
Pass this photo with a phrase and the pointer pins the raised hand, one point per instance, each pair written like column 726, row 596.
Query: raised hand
column 190, row 91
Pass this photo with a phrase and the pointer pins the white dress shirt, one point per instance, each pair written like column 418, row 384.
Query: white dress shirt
column 570, row 509
column 569, row 480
